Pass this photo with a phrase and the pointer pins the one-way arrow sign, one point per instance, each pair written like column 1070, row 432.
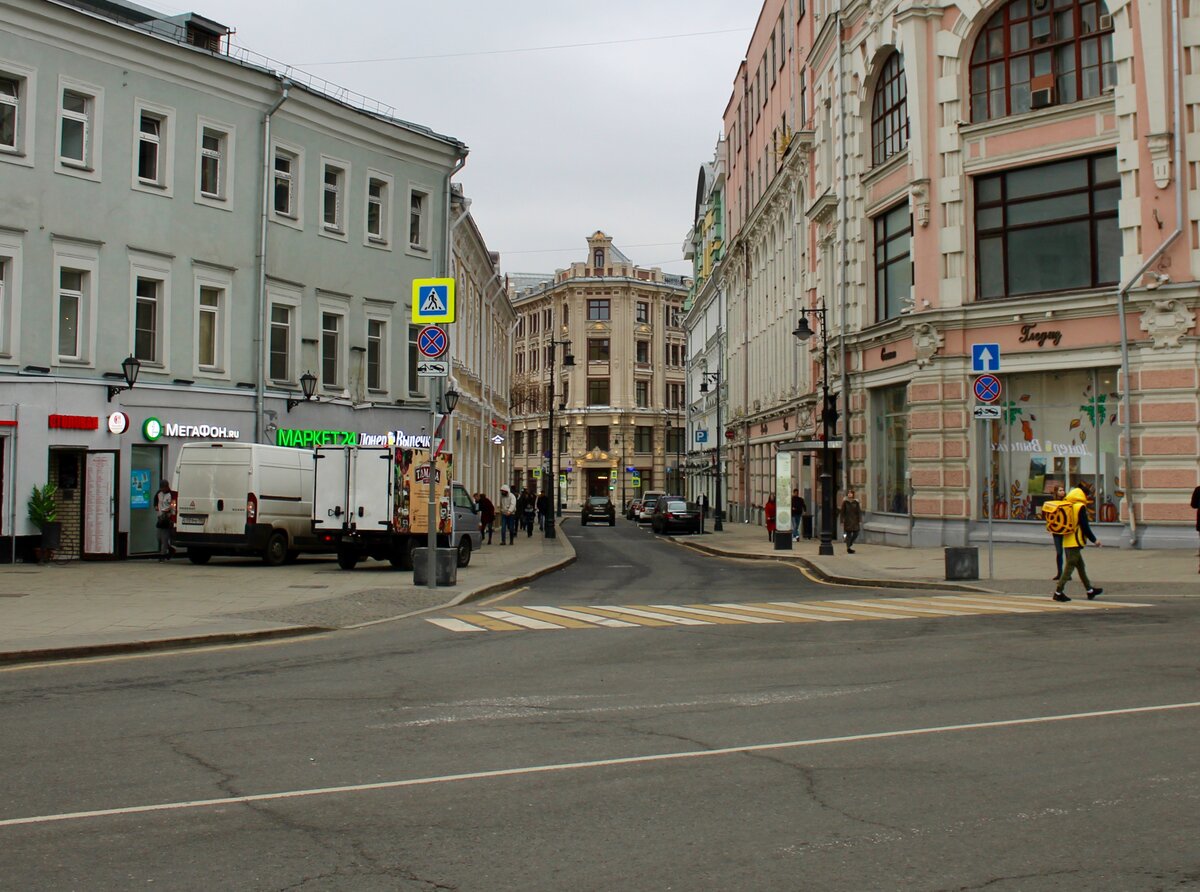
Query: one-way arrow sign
column 985, row 357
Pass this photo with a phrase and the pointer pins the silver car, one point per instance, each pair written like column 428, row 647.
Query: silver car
column 467, row 536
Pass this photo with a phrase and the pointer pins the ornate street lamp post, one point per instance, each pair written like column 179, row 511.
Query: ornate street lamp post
column 550, row 483
column 829, row 416
column 705, row 379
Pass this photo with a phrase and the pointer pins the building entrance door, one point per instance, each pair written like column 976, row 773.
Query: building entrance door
column 145, row 471
column 597, row 481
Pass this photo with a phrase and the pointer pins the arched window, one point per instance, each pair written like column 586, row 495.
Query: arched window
column 1037, row 53
column 889, row 112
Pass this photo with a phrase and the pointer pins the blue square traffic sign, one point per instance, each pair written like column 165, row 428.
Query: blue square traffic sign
column 985, row 357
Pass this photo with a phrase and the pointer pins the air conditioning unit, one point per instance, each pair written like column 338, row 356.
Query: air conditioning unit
column 1043, row 98
column 1105, row 22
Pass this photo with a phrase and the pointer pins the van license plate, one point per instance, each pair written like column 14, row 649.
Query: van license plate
column 193, row 519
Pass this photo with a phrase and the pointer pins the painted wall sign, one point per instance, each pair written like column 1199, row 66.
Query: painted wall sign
column 1030, row 336
column 310, row 439
column 139, row 488
column 153, row 429
column 74, row 422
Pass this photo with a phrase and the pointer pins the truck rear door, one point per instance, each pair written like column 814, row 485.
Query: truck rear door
column 371, row 490
column 331, row 488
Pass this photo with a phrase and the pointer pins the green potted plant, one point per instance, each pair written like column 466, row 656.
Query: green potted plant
column 43, row 513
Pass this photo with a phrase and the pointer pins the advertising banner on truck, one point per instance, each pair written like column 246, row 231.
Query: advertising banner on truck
column 412, row 491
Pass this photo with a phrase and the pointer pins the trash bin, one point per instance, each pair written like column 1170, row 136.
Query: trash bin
column 446, row 566
column 806, row 525
column 962, row 562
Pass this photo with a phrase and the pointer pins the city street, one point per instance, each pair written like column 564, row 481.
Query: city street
column 922, row 743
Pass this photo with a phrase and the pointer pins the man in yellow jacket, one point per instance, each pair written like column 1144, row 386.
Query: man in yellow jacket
column 1074, row 542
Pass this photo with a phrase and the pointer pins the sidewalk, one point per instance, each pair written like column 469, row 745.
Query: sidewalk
column 1017, row 569
column 57, row 611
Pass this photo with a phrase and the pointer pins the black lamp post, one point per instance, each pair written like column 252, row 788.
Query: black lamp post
column 308, row 385
column 550, row 486
column 829, row 417
column 129, row 368
column 705, row 378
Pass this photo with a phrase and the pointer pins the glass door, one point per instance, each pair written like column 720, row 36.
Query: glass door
column 145, row 471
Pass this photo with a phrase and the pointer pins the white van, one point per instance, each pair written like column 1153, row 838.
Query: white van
column 245, row 499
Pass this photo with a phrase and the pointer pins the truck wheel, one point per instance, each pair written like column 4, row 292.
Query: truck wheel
column 346, row 558
column 402, row 557
column 464, row 552
column 277, row 549
column 196, row 556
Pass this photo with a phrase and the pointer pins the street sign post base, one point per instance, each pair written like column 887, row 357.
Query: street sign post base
column 783, row 540
column 548, row 527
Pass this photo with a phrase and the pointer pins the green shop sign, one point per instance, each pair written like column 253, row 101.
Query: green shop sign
column 310, row 439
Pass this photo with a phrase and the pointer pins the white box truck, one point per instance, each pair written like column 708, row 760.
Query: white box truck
column 374, row 502
column 245, row 499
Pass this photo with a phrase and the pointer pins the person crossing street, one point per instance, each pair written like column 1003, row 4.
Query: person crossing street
column 1074, row 541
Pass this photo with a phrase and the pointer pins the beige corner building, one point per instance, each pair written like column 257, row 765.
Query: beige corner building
column 617, row 412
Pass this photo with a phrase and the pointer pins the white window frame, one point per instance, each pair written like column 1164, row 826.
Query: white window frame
column 90, row 167
column 416, row 384
column 422, row 246
column 327, row 305
column 155, row 267
column 163, row 182
column 384, row 354
column 290, row 298
column 84, row 257
column 295, row 217
column 383, row 240
column 11, row 270
column 220, row 280
column 338, row 228
column 223, row 200
column 26, row 103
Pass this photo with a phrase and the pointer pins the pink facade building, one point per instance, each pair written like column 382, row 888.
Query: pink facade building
column 938, row 179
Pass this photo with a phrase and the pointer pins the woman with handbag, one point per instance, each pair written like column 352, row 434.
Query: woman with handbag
column 162, row 509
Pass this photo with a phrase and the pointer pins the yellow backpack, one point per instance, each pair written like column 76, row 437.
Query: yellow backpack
column 1062, row 518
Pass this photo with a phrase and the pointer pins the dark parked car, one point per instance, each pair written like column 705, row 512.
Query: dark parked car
column 673, row 514
column 633, row 509
column 598, row 508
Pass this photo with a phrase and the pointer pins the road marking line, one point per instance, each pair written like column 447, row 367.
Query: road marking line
column 829, row 606
column 536, row 613
column 1037, row 599
column 750, row 610
column 649, row 614
column 503, row 596
column 489, row 623
column 719, row 619
column 524, row 622
column 610, row 613
column 962, row 609
column 588, row 618
column 457, row 625
column 598, row 763
column 982, row 602
column 818, row 617
column 905, row 606
column 705, row 611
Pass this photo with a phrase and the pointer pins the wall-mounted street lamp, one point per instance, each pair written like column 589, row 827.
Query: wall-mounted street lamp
column 129, row 368
column 829, row 416
column 308, row 386
column 551, row 479
column 449, row 402
column 705, row 379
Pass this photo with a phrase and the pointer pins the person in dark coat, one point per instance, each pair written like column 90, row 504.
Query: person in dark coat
column 1196, row 505
column 798, row 511
column 851, row 515
column 487, row 516
column 543, row 507
column 526, row 508
column 769, row 514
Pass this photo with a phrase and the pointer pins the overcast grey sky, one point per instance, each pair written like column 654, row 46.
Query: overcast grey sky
column 563, row 141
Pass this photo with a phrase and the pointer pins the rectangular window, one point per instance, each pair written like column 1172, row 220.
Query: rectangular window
column 151, row 133
column 418, row 223
column 566, row 315
column 10, row 112
column 147, row 313
column 281, row 342
column 286, row 166
column 674, row 443
column 642, row 394
column 643, row 311
column 643, row 439
column 891, row 449
column 893, row 262
column 597, row 437
column 414, row 355
column 598, row 310
column 1057, row 429
column 71, row 296
column 598, row 350
column 1048, row 228
column 331, row 349
column 213, row 147
column 598, row 392
column 377, row 210
column 333, row 189
column 209, row 328
column 518, row 442
column 376, row 330
column 643, row 351
column 75, row 128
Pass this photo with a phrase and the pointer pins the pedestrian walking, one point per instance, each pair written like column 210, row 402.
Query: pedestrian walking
column 1075, row 539
column 526, row 507
column 162, row 510
column 704, row 508
column 508, row 516
column 1059, row 495
column 487, row 516
column 769, row 513
column 851, row 516
column 543, row 507
column 799, row 509
column 1196, row 505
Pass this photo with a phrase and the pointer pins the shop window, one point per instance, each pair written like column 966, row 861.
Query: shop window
column 1048, row 228
column 890, row 411
column 889, row 111
column 893, row 262
column 1055, row 429
column 1038, row 53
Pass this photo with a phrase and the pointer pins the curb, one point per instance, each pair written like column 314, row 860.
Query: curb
column 128, row 647
column 518, row 580
column 823, row 576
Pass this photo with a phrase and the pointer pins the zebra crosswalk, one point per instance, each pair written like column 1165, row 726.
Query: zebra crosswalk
column 545, row 618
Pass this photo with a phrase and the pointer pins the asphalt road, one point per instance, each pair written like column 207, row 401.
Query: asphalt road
column 1051, row 750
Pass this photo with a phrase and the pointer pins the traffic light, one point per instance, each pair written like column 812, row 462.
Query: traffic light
column 830, row 415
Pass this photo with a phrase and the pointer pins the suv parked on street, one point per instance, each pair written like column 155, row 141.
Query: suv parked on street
column 598, row 508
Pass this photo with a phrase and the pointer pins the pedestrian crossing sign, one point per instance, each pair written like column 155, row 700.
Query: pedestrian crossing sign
column 432, row 300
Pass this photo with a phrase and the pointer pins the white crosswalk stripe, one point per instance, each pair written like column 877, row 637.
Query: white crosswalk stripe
column 596, row 616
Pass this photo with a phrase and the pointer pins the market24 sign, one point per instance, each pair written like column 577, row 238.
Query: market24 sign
column 310, row 439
